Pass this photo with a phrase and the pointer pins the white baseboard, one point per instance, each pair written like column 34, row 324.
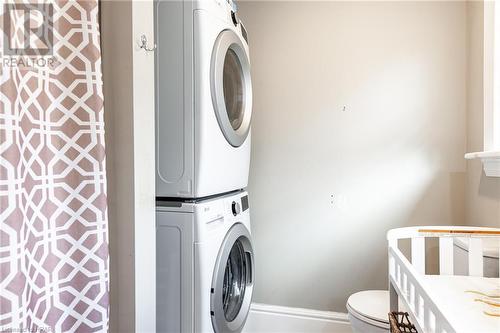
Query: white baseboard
column 264, row 318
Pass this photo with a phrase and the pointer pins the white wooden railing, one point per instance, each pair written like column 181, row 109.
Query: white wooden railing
column 406, row 283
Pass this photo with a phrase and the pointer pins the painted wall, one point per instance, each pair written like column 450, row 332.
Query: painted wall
column 482, row 193
column 128, row 75
column 118, row 112
column 326, row 184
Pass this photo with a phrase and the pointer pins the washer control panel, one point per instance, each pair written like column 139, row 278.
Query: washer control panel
column 239, row 205
column 235, row 208
column 244, row 202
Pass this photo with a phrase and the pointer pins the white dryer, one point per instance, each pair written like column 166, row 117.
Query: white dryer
column 205, row 266
column 203, row 99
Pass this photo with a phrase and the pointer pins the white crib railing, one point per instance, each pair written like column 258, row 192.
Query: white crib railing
column 406, row 281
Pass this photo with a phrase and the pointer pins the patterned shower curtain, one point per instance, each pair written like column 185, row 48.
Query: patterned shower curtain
column 54, row 268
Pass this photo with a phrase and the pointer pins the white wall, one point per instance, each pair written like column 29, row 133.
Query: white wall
column 482, row 193
column 129, row 117
column 393, row 158
column 118, row 118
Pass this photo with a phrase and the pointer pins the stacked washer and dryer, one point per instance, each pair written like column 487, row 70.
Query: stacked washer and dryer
column 205, row 261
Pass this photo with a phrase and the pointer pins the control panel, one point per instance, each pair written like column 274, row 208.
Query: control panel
column 239, row 205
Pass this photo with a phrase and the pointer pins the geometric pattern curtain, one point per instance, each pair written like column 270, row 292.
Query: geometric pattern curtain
column 54, row 270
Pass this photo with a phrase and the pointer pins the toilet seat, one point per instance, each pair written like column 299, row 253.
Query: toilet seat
column 371, row 307
column 369, row 321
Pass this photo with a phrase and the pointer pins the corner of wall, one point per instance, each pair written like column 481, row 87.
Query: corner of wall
column 482, row 203
column 116, row 34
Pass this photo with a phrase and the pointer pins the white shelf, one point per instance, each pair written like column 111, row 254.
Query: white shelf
column 490, row 159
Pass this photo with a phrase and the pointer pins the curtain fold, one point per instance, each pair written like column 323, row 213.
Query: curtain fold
column 54, row 271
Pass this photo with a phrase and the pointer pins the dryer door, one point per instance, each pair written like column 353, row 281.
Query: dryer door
column 232, row 283
column 231, row 87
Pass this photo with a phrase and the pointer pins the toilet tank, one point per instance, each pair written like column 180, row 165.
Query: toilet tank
column 490, row 257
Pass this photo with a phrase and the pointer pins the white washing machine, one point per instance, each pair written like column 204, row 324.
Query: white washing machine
column 205, row 266
column 203, row 99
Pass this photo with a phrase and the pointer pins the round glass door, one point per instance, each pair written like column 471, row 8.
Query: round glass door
column 231, row 87
column 235, row 280
column 232, row 283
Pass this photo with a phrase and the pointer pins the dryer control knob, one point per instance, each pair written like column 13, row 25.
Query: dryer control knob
column 236, row 208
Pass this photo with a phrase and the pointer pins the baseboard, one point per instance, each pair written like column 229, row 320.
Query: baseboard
column 265, row 318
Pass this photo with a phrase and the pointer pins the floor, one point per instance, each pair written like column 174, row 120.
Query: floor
column 276, row 319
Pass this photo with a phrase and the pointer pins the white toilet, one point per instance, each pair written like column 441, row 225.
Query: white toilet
column 368, row 311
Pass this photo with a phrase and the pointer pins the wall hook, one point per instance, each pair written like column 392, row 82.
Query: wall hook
column 144, row 44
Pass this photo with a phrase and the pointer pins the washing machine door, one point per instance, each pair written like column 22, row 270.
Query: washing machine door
column 232, row 283
column 231, row 87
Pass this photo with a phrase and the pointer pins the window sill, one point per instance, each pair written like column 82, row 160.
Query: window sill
column 490, row 159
